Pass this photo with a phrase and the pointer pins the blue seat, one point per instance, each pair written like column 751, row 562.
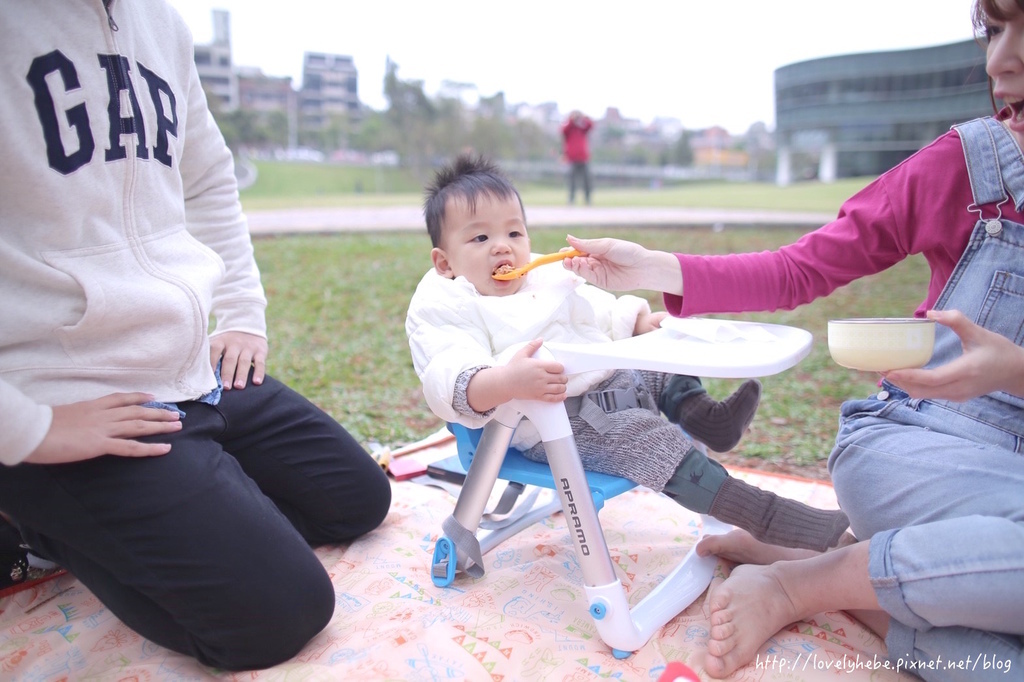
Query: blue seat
column 517, row 467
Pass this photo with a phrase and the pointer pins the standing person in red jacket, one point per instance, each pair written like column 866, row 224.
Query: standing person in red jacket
column 577, row 152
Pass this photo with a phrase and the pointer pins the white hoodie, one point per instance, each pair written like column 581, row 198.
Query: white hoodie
column 453, row 328
column 115, row 247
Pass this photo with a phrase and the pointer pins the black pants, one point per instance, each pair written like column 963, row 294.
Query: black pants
column 206, row 550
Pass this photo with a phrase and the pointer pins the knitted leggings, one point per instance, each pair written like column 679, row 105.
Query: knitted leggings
column 641, row 445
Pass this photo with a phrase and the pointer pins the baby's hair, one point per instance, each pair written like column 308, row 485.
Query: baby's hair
column 466, row 178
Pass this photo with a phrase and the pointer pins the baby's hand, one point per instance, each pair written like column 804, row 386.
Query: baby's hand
column 535, row 378
column 523, row 377
column 648, row 322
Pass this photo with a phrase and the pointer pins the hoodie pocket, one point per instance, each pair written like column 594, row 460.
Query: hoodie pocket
column 144, row 306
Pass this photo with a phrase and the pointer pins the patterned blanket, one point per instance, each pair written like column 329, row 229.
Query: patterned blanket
column 525, row 619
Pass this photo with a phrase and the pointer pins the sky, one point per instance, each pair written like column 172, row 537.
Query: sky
column 705, row 63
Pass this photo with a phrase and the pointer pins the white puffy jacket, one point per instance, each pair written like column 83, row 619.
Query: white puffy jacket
column 452, row 328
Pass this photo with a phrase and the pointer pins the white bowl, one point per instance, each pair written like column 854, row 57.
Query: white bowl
column 878, row 344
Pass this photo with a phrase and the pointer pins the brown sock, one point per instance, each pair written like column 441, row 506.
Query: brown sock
column 720, row 425
column 777, row 520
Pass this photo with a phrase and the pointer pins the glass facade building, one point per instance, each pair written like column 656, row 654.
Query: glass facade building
column 861, row 114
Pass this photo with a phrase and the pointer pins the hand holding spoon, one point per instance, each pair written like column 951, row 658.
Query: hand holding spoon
column 542, row 260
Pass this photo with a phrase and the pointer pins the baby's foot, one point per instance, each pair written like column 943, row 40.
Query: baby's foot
column 740, row 547
column 747, row 609
column 720, row 425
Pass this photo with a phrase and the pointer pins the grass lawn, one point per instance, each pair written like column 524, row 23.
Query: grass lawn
column 338, row 303
column 287, row 185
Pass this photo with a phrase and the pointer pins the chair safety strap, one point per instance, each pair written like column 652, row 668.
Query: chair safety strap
column 595, row 406
column 466, row 542
column 496, row 519
column 499, row 517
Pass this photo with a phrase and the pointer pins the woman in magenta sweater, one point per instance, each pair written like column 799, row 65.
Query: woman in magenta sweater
column 930, row 469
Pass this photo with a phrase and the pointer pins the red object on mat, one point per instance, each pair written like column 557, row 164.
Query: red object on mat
column 678, row 672
column 404, row 469
column 18, row 587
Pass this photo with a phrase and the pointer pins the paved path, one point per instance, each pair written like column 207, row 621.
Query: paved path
column 315, row 220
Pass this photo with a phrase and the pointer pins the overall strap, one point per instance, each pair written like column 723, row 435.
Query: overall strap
column 995, row 163
column 979, row 144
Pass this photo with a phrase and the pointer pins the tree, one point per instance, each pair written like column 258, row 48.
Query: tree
column 530, row 142
column 241, row 129
column 410, row 113
column 448, row 131
column 491, row 135
column 373, row 133
column 682, row 151
column 422, row 129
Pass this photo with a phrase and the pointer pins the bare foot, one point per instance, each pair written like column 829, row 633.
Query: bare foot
column 746, row 610
column 741, row 547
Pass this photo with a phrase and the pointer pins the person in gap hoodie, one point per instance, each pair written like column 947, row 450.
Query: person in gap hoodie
column 187, row 506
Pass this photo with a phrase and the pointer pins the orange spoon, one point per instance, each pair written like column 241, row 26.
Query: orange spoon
column 543, row 260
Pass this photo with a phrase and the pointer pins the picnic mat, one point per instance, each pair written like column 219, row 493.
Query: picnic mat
column 525, row 619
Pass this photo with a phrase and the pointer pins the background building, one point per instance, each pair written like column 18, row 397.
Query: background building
column 325, row 104
column 330, row 88
column 861, row 114
column 260, row 92
column 841, row 116
column 213, row 62
column 271, row 99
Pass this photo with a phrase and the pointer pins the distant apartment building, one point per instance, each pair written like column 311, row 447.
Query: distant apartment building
column 667, row 128
column 213, row 62
column 614, row 128
column 270, row 98
column 262, row 93
column 330, row 87
column 715, row 149
column 861, row 114
column 545, row 115
column 329, row 84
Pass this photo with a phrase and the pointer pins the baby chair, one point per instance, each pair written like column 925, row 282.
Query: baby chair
column 698, row 347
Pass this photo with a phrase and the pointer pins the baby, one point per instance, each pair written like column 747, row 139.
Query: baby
column 461, row 319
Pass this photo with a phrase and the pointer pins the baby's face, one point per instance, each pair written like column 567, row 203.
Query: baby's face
column 475, row 243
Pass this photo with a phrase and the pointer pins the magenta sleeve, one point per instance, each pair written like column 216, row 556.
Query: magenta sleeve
column 862, row 240
column 918, row 207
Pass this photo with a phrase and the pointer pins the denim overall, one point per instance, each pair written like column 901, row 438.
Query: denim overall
column 938, row 486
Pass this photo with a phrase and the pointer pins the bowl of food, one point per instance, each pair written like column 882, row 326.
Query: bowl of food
column 879, row 344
